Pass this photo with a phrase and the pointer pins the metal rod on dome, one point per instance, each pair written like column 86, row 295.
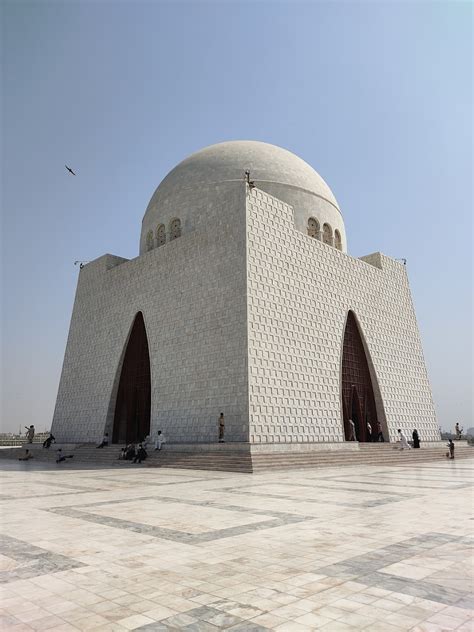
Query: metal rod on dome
column 250, row 183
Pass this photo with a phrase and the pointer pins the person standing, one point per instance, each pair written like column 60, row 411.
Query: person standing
column 416, row 438
column 404, row 445
column 450, row 454
column 221, row 428
column 352, row 431
column 369, row 431
column 458, row 431
column 379, row 432
column 30, row 433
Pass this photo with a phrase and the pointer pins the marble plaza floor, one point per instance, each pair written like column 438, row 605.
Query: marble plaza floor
column 337, row 549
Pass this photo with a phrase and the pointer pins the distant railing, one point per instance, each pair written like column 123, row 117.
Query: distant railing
column 10, row 441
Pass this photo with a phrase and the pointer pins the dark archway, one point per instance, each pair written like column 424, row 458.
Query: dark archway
column 132, row 408
column 358, row 401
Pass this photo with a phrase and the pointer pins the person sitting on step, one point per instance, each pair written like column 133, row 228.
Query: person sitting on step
column 27, row 456
column 129, row 452
column 160, row 440
column 140, row 454
column 60, row 457
column 105, row 441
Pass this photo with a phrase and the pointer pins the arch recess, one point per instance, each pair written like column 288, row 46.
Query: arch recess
column 327, row 234
column 313, row 228
column 360, row 392
column 160, row 235
column 133, row 399
column 175, row 229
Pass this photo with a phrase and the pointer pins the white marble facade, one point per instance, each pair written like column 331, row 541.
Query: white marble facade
column 244, row 312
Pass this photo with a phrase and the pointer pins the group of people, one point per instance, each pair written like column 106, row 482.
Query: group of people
column 134, row 452
column 404, row 445
column 377, row 436
column 60, row 457
column 137, row 452
column 371, row 434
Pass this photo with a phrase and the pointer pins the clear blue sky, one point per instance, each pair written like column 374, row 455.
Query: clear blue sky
column 376, row 96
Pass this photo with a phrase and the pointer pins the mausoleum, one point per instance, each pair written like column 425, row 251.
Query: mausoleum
column 243, row 300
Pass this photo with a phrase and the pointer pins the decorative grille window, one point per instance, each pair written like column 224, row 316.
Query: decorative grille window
column 175, row 229
column 327, row 234
column 160, row 235
column 313, row 228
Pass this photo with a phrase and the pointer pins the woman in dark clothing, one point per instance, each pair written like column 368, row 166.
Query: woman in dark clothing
column 416, row 439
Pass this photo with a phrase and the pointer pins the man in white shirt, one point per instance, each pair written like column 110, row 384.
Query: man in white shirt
column 160, row 439
column 352, row 431
column 369, row 432
column 404, row 445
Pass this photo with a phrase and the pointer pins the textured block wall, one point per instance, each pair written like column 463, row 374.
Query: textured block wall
column 299, row 293
column 192, row 293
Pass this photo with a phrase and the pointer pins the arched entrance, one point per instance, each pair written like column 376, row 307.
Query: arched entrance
column 132, row 408
column 358, row 401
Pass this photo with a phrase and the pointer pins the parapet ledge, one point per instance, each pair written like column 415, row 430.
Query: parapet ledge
column 105, row 262
column 112, row 261
column 375, row 259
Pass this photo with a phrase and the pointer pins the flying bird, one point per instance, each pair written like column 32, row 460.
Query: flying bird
column 70, row 170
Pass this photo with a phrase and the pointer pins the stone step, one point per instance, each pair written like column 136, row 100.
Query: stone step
column 241, row 460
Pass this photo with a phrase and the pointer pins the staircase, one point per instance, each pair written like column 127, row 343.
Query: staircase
column 367, row 454
column 247, row 459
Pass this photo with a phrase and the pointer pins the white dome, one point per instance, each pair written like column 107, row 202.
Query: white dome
column 268, row 164
column 194, row 187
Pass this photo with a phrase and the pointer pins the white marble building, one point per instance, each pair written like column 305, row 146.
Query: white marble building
column 243, row 300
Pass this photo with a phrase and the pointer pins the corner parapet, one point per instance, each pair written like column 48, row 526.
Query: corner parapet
column 375, row 259
column 103, row 263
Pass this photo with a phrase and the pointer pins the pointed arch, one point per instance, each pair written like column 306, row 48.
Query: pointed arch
column 360, row 392
column 133, row 398
column 337, row 240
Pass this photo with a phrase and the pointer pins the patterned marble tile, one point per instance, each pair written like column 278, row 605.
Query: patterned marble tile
column 181, row 550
